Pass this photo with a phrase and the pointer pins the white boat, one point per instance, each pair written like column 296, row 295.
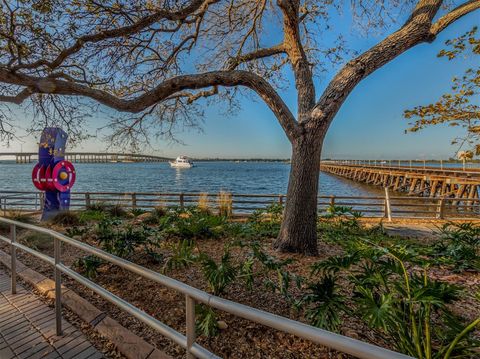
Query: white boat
column 181, row 162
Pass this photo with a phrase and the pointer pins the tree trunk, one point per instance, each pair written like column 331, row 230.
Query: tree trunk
column 298, row 232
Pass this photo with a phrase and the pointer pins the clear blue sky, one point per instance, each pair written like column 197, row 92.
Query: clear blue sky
column 369, row 125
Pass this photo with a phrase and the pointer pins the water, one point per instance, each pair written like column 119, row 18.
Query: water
column 211, row 177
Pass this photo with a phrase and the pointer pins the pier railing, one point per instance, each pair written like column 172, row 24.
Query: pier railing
column 387, row 205
column 192, row 296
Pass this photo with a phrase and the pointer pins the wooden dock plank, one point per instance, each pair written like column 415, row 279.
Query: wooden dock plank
column 27, row 329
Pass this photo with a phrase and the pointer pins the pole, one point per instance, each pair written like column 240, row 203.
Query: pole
column 58, row 287
column 13, row 258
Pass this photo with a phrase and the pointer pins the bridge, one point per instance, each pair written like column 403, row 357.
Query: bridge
column 87, row 157
column 415, row 180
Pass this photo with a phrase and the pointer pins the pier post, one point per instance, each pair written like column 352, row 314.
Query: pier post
column 441, row 208
column 134, row 201
column 388, row 209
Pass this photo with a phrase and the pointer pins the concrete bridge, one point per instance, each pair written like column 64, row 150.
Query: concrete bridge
column 418, row 180
column 87, row 157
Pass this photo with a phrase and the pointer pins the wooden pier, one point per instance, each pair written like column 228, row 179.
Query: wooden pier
column 87, row 157
column 415, row 180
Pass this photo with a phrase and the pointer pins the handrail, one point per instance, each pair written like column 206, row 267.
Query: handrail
column 192, row 295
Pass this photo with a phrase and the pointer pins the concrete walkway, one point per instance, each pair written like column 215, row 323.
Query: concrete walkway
column 27, row 329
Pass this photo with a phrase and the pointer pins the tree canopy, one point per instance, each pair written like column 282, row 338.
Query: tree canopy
column 460, row 107
column 157, row 60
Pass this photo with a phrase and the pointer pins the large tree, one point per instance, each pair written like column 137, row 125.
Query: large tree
column 158, row 59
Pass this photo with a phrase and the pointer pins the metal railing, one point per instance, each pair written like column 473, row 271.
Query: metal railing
column 388, row 205
column 192, row 296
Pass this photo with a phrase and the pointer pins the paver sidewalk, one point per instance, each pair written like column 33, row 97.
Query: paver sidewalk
column 27, row 329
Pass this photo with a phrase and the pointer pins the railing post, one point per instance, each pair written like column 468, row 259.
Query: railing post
column 13, row 257
column 182, row 200
column 388, row 209
column 190, row 320
column 134, row 201
column 58, row 286
column 441, row 208
column 280, row 199
column 87, row 200
column 42, row 200
column 332, row 200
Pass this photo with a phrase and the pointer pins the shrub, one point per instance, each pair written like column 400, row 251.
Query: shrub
column 119, row 241
column 116, row 210
column 192, row 223
column 91, row 215
column 97, row 206
column 459, row 246
column 137, row 212
column 325, row 303
column 88, row 265
column 265, row 222
column 66, row 219
column 408, row 309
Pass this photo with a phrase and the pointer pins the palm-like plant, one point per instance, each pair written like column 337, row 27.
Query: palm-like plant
column 325, row 304
column 219, row 275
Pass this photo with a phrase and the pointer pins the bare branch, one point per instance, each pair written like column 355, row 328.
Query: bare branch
column 454, row 15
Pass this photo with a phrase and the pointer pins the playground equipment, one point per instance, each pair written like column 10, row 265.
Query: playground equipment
column 53, row 174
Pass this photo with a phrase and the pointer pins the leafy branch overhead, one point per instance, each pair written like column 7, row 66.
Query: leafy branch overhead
column 460, row 107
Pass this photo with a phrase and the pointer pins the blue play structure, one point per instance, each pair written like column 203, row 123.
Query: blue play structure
column 53, row 174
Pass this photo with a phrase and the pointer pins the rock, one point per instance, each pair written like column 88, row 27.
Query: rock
column 222, row 325
column 142, row 217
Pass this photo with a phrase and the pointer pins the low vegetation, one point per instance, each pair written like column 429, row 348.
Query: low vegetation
column 387, row 284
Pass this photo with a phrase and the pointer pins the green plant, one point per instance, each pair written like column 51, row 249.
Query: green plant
column 116, row 210
column 97, row 206
column 182, row 256
column 206, row 322
column 137, row 211
column 459, row 246
column 219, row 275
column 283, row 278
column 325, row 303
column 121, row 241
column 265, row 222
column 88, row 265
column 75, row 231
column 189, row 223
column 407, row 308
column 92, row 215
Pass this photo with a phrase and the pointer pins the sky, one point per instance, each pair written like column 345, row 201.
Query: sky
column 370, row 124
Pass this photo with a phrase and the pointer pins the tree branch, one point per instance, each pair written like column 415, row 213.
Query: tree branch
column 298, row 58
column 255, row 55
column 454, row 15
column 163, row 91
column 118, row 32
column 19, row 98
column 414, row 31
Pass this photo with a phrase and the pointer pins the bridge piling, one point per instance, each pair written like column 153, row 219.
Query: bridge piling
column 415, row 181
